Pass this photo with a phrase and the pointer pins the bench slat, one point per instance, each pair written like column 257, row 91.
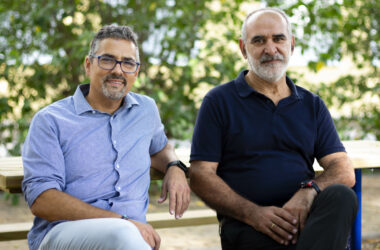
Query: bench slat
column 19, row 231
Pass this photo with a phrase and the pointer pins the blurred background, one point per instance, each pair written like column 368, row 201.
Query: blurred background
column 186, row 48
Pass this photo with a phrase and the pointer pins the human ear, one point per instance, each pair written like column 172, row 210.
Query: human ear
column 242, row 48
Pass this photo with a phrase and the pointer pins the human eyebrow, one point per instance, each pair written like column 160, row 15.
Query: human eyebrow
column 128, row 59
column 279, row 37
column 257, row 38
column 108, row 55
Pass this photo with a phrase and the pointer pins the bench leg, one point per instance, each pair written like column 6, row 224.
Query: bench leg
column 356, row 235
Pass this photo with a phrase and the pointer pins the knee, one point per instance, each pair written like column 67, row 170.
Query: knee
column 125, row 235
column 342, row 196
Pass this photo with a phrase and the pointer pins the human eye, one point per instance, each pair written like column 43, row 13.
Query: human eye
column 279, row 38
column 107, row 60
column 129, row 63
column 258, row 41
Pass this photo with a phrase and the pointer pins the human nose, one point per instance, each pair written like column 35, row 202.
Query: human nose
column 270, row 48
column 117, row 68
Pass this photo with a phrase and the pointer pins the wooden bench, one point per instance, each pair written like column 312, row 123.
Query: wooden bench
column 19, row 231
column 364, row 154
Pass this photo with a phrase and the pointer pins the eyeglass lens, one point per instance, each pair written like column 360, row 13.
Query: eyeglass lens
column 109, row 63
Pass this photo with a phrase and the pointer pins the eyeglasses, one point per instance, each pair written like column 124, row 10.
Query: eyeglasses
column 109, row 63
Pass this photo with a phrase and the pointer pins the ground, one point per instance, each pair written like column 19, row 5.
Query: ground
column 206, row 237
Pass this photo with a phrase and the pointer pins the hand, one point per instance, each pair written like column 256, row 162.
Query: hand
column 299, row 206
column 179, row 192
column 148, row 233
column 275, row 222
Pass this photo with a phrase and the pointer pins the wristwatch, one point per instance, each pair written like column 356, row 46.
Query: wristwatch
column 310, row 184
column 179, row 164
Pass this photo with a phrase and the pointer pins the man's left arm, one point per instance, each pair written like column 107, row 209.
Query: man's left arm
column 338, row 169
column 174, row 182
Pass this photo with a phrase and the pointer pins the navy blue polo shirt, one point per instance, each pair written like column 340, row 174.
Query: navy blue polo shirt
column 264, row 151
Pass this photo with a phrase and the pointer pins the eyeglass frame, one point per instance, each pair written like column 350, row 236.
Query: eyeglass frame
column 116, row 62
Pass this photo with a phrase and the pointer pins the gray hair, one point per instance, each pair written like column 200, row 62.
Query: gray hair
column 117, row 32
column 282, row 13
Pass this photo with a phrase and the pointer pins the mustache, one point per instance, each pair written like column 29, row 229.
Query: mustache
column 114, row 76
column 267, row 57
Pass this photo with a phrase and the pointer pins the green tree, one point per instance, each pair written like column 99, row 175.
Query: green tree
column 43, row 45
column 335, row 30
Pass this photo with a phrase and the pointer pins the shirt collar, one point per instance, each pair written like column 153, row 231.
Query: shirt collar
column 81, row 105
column 245, row 90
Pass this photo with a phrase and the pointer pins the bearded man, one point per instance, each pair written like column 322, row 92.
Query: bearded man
column 254, row 144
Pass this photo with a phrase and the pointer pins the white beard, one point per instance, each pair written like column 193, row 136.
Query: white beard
column 270, row 72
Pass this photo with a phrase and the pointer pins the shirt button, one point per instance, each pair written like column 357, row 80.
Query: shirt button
column 93, row 111
column 114, row 142
column 117, row 166
column 118, row 188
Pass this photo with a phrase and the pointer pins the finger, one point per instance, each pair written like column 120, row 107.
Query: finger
column 149, row 239
column 157, row 240
column 285, row 226
column 172, row 201
column 268, row 231
column 164, row 192
column 285, row 235
column 185, row 201
column 286, row 215
column 178, row 207
column 294, row 241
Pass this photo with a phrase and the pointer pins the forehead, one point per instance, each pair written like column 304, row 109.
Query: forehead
column 119, row 48
column 266, row 23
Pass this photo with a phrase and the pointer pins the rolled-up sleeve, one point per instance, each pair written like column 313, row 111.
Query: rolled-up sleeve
column 42, row 156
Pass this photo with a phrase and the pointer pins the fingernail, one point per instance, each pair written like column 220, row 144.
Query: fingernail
column 294, row 221
column 290, row 237
column 177, row 216
column 171, row 212
column 160, row 200
column 294, row 230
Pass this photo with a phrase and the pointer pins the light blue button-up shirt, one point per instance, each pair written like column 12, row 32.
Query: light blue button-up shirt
column 99, row 158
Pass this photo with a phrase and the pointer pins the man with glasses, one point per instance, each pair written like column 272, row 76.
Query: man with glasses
column 87, row 158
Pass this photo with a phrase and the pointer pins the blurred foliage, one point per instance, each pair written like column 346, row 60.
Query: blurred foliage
column 335, row 30
column 12, row 198
column 43, row 45
column 184, row 45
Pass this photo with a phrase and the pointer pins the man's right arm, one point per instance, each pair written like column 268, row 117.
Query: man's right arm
column 53, row 205
column 218, row 195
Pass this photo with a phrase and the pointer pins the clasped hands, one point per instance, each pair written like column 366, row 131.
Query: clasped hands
column 283, row 224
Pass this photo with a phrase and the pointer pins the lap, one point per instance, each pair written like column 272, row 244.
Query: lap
column 236, row 235
column 100, row 233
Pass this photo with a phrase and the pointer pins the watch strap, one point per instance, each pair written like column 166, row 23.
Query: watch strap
column 310, row 184
column 179, row 164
